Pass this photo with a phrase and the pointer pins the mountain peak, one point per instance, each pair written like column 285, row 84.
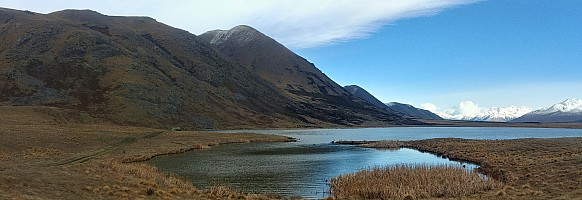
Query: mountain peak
column 569, row 110
column 353, row 88
column 241, row 35
column 272, row 61
column 568, row 105
column 573, row 102
column 243, row 28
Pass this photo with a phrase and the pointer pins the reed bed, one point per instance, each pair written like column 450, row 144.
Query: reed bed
column 410, row 182
column 386, row 144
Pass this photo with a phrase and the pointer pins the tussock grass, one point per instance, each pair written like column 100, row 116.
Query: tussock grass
column 410, row 181
column 388, row 144
column 52, row 153
column 38, row 152
column 4, row 156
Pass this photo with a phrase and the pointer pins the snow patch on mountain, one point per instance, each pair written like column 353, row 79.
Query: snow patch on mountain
column 569, row 110
column 468, row 110
column 568, row 106
column 246, row 35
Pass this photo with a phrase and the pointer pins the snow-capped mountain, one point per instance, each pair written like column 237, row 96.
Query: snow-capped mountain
column 570, row 106
column 495, row 114
column 569, row 110
column 502, row 114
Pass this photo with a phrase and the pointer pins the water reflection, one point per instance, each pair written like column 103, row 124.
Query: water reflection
column 287, row 169
column 302, row 168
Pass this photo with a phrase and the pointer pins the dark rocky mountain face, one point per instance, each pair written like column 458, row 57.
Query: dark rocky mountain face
column 297, row 78
column 272, row 61
column 137, row 71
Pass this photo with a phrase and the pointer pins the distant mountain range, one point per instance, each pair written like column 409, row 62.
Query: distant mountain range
column 404, row 109
column 137, row 71
column 569, row 110
column 495, row 114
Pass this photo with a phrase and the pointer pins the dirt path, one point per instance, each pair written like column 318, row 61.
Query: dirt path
column 108, row 149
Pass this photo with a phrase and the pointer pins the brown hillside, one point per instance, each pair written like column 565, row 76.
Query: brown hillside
column 296, row 77
column 137, row 71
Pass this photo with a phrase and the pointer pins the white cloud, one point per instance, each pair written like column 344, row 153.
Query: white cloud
column 429, row 106
column 295, row 23
column 468, row 110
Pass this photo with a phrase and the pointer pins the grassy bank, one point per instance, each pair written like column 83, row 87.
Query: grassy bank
column 410, row 182
column 48, row 153
column 529, row 168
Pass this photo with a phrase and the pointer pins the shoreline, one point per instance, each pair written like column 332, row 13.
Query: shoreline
column 46, row 157
column 441, row 123
column 538, row 168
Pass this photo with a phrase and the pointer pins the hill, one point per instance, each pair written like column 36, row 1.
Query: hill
column 137, row 71
column 402, row 109
column 296, row 78
column 412, row 111
column 569, row 110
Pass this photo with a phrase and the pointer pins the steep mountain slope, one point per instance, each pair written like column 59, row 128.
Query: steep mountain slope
column 297, row 78
column 362, row 93
column 412, row 111
column 569, row 110
column 131, row 70
column 403, row 109
column 137, row 71
column 272, row 61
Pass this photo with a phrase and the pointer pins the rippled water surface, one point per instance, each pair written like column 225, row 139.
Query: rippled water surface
column 302, row 168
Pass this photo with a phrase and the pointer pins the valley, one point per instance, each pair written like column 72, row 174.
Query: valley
column 89, row 103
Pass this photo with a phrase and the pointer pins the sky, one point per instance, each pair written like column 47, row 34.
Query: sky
column 437, row 54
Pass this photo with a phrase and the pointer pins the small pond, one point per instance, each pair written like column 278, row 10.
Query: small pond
column 302, row 168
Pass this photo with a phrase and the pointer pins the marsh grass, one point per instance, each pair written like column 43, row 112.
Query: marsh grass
column 410, row 181
column 4, row 156
column 387, row 144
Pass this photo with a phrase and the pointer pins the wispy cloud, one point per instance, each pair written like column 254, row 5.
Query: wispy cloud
column 295, row 23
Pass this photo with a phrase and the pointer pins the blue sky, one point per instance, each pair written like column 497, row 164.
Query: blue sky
column 494, row 53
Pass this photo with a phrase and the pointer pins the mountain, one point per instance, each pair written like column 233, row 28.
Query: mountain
column 569, row 110
column 362, row 93
column 495, row 114
column 137, row 71
column 503, row 114
column 412, row 111
column 403, row 109
column 272, row 61
column 296, row 78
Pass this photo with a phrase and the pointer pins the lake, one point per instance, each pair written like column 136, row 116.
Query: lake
column 303, row 168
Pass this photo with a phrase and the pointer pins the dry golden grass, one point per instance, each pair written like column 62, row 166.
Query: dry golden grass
column 386, row 144
column 50, row 153
column 410, row 181
column 4, row 156
column 530, row 168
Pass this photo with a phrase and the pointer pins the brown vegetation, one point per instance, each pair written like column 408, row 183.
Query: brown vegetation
column 50, row 153
column 530, row 168
column 410, row 181
column 387, row 144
